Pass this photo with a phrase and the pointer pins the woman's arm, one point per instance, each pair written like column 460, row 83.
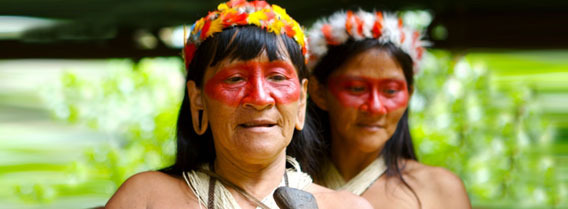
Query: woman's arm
column 133, row 193
column 437, row 187
column 451, row 192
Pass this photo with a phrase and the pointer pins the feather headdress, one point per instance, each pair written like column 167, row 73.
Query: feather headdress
column 272, row 18
column 342, row 26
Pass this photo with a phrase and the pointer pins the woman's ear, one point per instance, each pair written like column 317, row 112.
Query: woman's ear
column 197, row 106
column 301, row 117
column 317, row 93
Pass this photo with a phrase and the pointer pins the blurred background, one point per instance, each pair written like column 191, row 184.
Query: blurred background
column 89, row 93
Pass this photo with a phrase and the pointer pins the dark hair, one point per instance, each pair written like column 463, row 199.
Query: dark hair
column 399, row 146
column 239, row 43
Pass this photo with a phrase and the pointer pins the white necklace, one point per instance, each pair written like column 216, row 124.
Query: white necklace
column 358, row 184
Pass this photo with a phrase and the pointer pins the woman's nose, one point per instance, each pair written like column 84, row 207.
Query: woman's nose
column 374, row 104
column 258, row 95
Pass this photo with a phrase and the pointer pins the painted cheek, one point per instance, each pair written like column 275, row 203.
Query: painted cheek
column 396, row 100
column 218, row 89
column 286, row 94
column 287, row 90
column 338, row 86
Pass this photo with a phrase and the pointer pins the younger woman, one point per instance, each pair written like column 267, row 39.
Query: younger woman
column 362, row 79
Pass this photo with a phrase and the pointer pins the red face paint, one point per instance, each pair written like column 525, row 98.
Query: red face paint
column 376, row 96
column 257, row 83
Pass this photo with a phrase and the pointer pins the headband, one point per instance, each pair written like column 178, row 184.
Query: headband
column 384, row 27
column 272, row 18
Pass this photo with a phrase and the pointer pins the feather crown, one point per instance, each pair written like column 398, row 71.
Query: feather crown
column 385, row 27
column 272, row 18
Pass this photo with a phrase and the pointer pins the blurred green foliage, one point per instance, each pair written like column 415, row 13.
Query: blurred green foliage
column 134, row 105
column 493, row 136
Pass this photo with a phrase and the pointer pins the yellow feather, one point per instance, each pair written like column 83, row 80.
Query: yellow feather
column 222, row 7
column 256, row 17
column 278, row 10
column 198, row 25
column 184, row 35
column 216, row 26
column 276, row 27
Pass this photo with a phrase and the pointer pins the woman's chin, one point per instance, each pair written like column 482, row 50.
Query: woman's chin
column 370, row 143
column 258, row 147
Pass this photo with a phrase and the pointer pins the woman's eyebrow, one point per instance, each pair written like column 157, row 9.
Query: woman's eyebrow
column 352, row 77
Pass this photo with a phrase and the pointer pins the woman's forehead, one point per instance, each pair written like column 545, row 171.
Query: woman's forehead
column 374, row 63
column 267, row 48
column 262, row 58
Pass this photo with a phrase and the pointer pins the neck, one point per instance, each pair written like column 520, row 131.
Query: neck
column 348, row 159
column 259, row 180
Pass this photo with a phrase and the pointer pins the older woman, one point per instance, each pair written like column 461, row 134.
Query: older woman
column 244, row 104
column 363, row 65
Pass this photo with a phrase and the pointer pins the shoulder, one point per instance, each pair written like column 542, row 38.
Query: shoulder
column 145, row 189
column 327, row 198
column 430, row 176
column 134, row 193
column 148, row 177
column 147, row 182
column 435, row 183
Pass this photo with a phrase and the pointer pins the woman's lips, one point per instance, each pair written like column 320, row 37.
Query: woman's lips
column 370, row 127
column 260, row 125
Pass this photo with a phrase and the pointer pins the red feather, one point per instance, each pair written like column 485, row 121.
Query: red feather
column 259, row 4
column 234, row 3
column 419, row 52
column 289, row 31
column 377, row 29
column 234, row 18
column 380, row 16
column 359, row 23
column 188, row 52
column 348, row 22
column 204, row 30
column 326, row 30
column 378, row 26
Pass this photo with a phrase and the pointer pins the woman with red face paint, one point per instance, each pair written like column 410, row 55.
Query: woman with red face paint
column 242, row 128
column 362, row 78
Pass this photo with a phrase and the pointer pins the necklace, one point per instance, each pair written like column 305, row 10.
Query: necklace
column 213, row 195
column 358, row 184
column 215, row 177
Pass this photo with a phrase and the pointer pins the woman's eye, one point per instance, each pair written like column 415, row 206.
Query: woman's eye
column 391, row 91
column 356, row 89
column 234, row 79
column 277, row 77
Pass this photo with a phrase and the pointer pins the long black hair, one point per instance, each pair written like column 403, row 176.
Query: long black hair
column 239, row 43
column 399, row 146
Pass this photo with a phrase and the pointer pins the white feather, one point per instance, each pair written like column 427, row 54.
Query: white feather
column 368, row 22
column 391, row 33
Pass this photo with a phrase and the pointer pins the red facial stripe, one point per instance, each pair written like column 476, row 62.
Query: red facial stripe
column 258, row 83
column 376, row 96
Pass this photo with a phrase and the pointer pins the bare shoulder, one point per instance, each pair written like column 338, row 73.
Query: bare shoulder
column 437, row 185
column 328, row 198
column 433, row 177
column 151, row 189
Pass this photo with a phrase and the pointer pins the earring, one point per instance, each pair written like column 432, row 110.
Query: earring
column 200, row 129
